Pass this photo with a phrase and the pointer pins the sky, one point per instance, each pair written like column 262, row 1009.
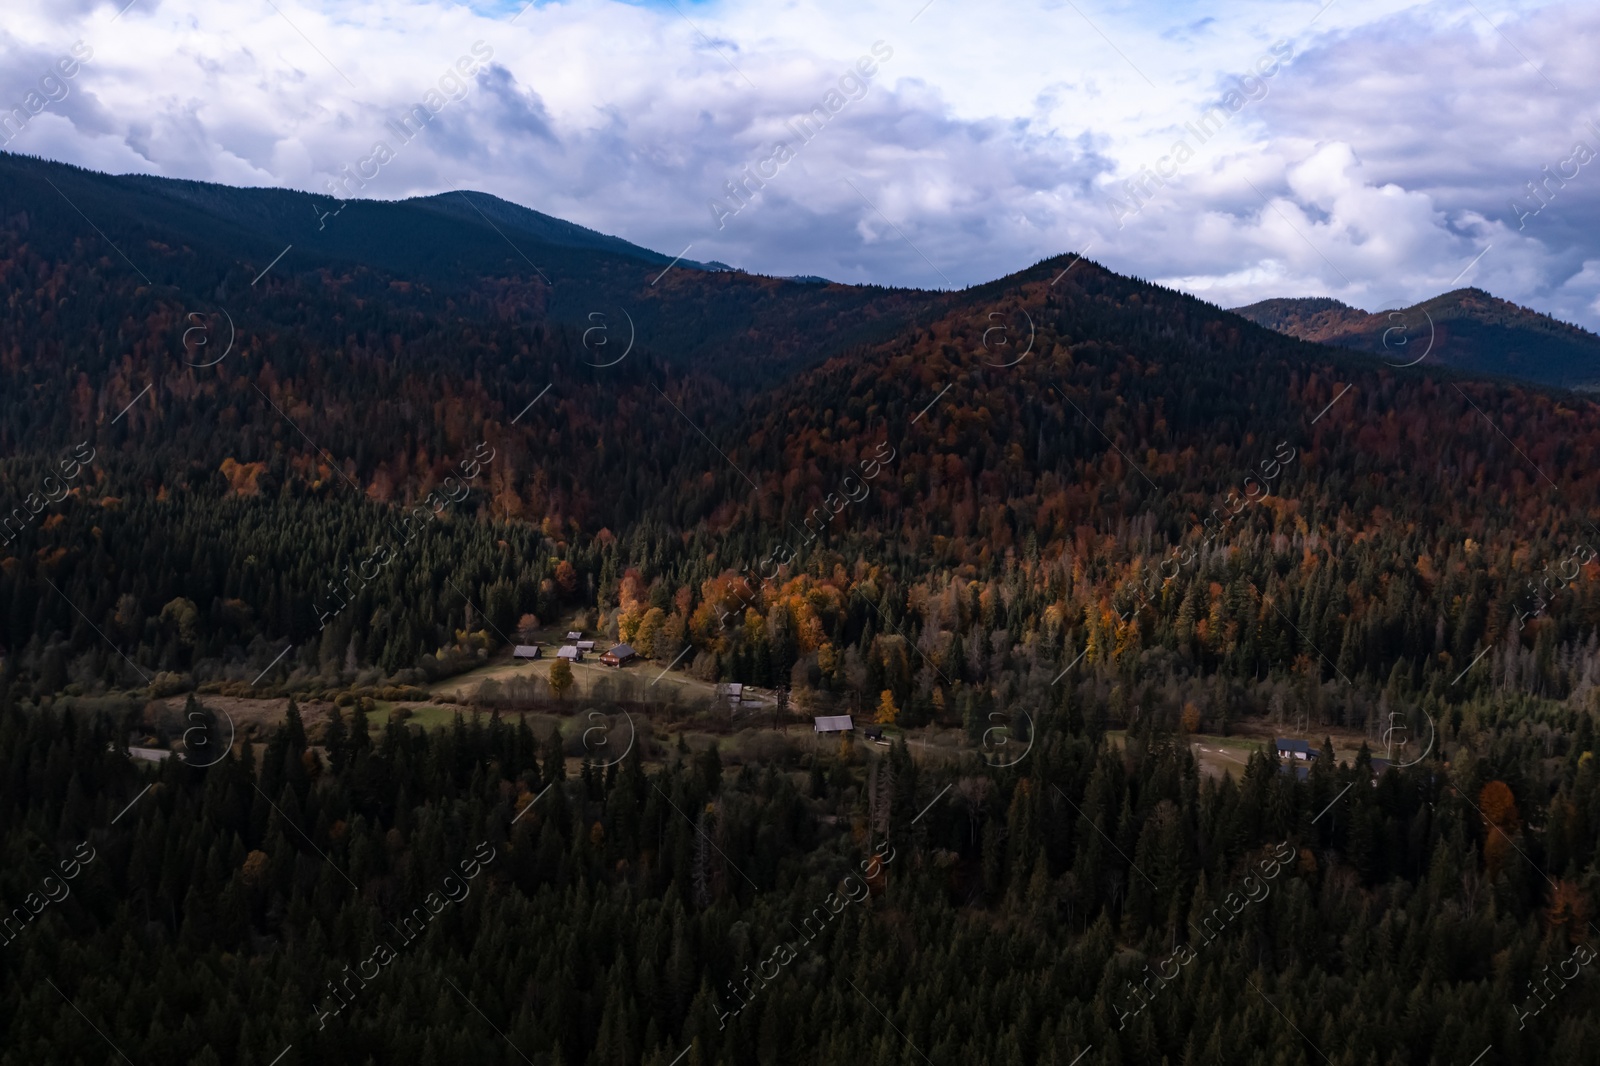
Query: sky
column 1376, row 152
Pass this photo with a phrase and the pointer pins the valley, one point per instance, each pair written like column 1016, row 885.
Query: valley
column 1080, row 547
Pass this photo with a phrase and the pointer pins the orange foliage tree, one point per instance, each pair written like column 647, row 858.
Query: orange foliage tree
column 1568, row 910
column 1503, row 821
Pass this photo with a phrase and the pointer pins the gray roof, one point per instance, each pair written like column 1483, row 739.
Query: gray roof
column 837, row 723
column 1284, row 744
column 622, row 651
column 525, row 651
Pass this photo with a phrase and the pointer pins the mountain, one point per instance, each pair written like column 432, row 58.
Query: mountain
column 1057, row 434
column 230, row 244
column 1131, row 534
column 1467, row 329
column 288, row 211
column 1310, row 318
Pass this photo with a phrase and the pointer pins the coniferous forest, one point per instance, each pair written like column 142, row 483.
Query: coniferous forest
column 1081, row 546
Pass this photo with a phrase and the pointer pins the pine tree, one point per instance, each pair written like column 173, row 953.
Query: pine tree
column 336, row 739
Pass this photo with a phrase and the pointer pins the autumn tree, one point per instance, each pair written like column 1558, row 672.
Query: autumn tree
column 648, row 638
column 560, row 678
column 1191, row 718
column 1568, row 910
column 887, row 711
column 566, row 578
column 1502, row 822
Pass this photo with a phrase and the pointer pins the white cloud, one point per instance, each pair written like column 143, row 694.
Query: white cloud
column 1388, row 149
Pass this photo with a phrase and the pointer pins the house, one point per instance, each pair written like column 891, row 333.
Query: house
column 736, row 691
column 586, row 645
column 571, row 654
column 525, row 651
column 838, row 723
column 874, row 732
column 617, row 655
column 574, row 634
column 1296, row 749
column 1379, row 768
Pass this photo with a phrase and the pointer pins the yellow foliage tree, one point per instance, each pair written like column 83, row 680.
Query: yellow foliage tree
column 560, row 677
column 628, row 620
column 648, row 633
column 887, row 711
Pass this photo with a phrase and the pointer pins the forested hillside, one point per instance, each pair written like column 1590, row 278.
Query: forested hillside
column 1154, row 486
column 184, row 247
column 1467, row 329
column 457, row 897
column 1109, row 517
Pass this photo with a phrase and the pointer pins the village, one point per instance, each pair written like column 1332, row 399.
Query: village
column 569, row 679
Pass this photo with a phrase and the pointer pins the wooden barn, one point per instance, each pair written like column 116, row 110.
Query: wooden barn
column 618, row 654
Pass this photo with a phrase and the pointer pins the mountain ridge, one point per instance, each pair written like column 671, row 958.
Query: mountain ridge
column 1061, row 430
column 466, row 233
column 1468, row 328
column 228, row 244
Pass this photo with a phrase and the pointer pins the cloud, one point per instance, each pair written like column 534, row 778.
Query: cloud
column 1375, row 164
column 1381, row 165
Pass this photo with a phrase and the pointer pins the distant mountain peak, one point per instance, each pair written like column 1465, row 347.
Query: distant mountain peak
column 1306, row 303
column 1319, row 319
column 1467, row 328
